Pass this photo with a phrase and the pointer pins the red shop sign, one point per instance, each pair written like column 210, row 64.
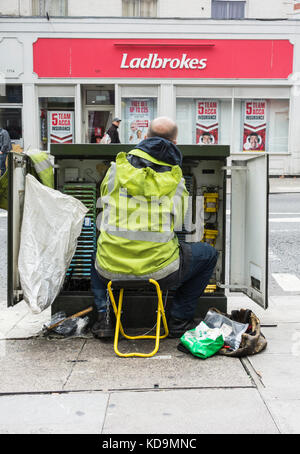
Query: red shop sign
column 168, row 58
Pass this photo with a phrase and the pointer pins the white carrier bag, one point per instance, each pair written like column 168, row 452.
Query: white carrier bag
column 51, row 224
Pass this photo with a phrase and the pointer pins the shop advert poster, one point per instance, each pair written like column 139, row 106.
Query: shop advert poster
column 207, row 122
column 139, row 114
column 254, row 134
column 61, row 126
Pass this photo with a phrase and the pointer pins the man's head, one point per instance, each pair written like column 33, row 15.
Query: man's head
column 133, row 126
column 163, row 127
column 116, row 121
column 206, row 138
column 254, row 140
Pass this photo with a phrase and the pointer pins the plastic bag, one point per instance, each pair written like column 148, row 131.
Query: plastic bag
column 203, row 341
column 71, row 327
column 106, row 139
column 232, row 331
column 51, row 224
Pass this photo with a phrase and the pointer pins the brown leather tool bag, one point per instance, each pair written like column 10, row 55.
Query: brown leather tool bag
column 253, row 341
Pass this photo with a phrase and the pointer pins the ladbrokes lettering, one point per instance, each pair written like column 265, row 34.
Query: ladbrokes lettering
column 153, row 61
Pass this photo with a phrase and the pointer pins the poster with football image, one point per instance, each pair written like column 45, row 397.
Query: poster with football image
column 207, row 122
column 139, row 114
column 255, row 124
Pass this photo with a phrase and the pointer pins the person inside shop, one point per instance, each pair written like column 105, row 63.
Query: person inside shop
column 150, row 249
column 113, row 130
column 5, row 147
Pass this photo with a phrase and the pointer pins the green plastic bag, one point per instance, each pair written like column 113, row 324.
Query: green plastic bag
column 203, row 341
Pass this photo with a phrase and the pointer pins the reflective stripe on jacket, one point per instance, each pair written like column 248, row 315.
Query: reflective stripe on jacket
column 43, row 167
column 141, row 206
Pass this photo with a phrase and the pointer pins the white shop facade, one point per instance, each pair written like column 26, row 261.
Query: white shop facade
column 225, row 82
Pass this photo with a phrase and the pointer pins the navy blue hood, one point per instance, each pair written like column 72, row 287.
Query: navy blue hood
column 162, row 150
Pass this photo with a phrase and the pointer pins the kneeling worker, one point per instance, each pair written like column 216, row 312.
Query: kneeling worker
column 138, row 244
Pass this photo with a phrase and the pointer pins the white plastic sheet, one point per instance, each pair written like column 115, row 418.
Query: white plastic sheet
column 51, row 224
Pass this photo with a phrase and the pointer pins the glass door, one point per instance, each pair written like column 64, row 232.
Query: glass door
column 97, row 122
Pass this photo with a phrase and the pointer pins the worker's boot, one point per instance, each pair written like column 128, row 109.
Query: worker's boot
column 104, row 326
column 177, row 327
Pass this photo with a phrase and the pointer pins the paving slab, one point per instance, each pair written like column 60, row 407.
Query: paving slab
column 37, row 365
column 76, row 413
column 100, row 369
column 279, row 374
column 283, row 339
column 204, row 411
column 286, row 414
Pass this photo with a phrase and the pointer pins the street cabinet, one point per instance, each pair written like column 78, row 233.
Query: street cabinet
column 243, row 254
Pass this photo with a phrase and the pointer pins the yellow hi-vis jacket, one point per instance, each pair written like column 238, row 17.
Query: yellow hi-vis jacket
column 43, row 167
column 141, row 207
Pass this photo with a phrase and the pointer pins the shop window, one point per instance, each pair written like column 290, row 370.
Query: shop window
column 264, row 125
column 56, row 121
column 100, row 97
column 222, row 9
column 139, row 8
column 52, row 7
column 11, row 120
column 203, row 121
column 11, row 94
column 257, row 125
column 137, row 113
column 279, row 126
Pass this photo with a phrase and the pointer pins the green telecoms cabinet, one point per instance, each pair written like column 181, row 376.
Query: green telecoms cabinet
column 79, row 170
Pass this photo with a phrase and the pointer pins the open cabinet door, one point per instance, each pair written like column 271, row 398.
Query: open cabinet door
column 249, row 228
column 17, row 170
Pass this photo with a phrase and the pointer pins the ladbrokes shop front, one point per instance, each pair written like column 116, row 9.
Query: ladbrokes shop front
column 225, row 82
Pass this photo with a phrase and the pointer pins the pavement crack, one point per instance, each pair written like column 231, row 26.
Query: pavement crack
column 105, row 414
column 260, row 388
column 74, row 364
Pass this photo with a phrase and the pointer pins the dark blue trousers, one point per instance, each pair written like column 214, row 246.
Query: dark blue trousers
column 191, row 287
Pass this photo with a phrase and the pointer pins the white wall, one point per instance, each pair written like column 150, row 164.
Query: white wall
column 166, row 8
column 25, row 7
column 16, row 7
column 9, row 7
column 187, row 8
column 95, row 8
column 256, row 9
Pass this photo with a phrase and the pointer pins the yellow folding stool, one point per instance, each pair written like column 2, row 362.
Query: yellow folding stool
column 119, row 327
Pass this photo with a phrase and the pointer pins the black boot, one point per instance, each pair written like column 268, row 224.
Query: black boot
column 177, row 327
column 103, row 327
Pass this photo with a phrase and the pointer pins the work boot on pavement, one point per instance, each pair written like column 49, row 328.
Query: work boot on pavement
column 103, row 327
column 177, row 327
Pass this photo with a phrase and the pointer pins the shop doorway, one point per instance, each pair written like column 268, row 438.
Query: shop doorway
column 97, row 121
column 11, row 120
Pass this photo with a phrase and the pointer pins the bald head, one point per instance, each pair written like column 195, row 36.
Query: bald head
column 163, row 127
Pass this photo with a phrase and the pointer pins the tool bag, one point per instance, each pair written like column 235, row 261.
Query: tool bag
column 253, row 341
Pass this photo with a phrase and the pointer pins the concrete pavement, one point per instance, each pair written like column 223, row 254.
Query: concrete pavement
column 78, row 385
